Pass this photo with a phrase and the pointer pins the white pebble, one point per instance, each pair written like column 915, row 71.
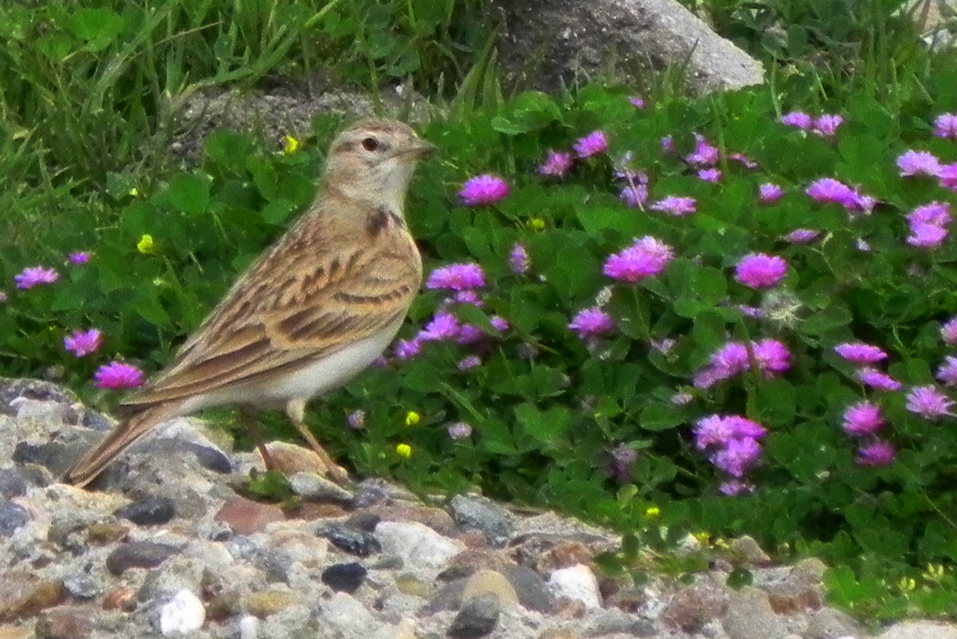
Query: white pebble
column 249, row 627
column 416, row 544
column 183, row 614
column 576, row 582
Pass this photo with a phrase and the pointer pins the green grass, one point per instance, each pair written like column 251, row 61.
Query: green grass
column 87, row 98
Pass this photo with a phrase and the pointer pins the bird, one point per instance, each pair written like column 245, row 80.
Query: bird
column 309, row 314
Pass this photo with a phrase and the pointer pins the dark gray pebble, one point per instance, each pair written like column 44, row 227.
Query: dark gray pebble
column 344, row 577
column 148, row 512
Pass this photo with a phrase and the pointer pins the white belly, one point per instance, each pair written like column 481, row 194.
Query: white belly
column 314, row 379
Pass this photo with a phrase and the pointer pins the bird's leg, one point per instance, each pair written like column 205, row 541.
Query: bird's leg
column 296, row 410
column 250, row 421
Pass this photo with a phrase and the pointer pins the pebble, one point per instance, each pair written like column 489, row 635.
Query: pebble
column 12, row 517
column 138, row 554
column 344, row 577
column 578, row 583
column 152, row 511
column 376, row 564
column 182, row 614
column 351, row 540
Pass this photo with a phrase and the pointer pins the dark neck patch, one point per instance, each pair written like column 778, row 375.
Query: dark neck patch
column 383, row 219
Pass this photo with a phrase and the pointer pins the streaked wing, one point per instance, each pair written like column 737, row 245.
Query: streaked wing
column 315, row 292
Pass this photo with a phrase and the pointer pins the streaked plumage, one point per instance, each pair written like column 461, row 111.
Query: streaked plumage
column 309, row 314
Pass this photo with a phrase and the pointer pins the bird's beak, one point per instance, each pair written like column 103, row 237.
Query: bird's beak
column 421, row 149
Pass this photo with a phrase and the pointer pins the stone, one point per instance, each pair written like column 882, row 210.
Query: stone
column 417, row 544
column 691, row 608
column 346, row 577
column 750, row 616
column 23, row 594
column 182, row 614
column 920, row 630
column 12, row 517
column 750, row 551
column 66, row 622
column 269, row 602
column 245, row 516
column 151, row 511
column 492, row 583
column 12, row 483
column 351, row 540
column 348, row 616
column 533, row 593
column 477, row 617
column 552, row 44
column 138, row 554
column 828, row 623
column 317, row 488
column 578, row 583
column 482, row 514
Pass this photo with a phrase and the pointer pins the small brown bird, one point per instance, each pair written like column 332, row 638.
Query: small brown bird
column 312, row 312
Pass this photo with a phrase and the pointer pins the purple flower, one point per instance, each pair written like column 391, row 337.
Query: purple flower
column 674, row 205
column 945, row 126
column 408, row 348
column 826, row 125
column 499, row 323
column 769, row 193
column 801, row 236
column 35, row 276
column 667, row 144
column 743, row 159
column 947, row 373
column 82, row 343
column 831, row 190
column 634, row 196
column 637, row 102
column 80, row 257
column 469, row 334
column 772, row 356
column 704, row 153
column 798, row 119
column 556, row 164
column 948, row 176
column 646, row 257
column 878, row 380
column 469, row 362
column 663, row 345
column 859, row 353
column 948, row 331
column 758, row 270
column 936, row 213
column 863, row 418
column 592, row 144
column 717, row 431
column 444, row 326
column 483, row 190
column 457, row 277
column 928, row 402
column 357, row 419
column 879, row 453
column 467, row 297
column 118, row 375
column 709, row 175
column 926, row 235
column 591, row 322
column 918, row 163
column 730, row 359
column 735, row 487
column 460, row 430
column 622, row 460
column 738, row 456
column 518, row 259
column 751, row 311
column 862, row 245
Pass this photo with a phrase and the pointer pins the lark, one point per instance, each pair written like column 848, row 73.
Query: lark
column 311, row 313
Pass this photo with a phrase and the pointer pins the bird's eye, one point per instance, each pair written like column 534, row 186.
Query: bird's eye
column 370, row 144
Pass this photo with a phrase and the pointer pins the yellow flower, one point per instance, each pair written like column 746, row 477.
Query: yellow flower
column 289, row 145
column 134, row 192
column 145, row 245
column 653, row 511
column 702, row 537
column 412, row 418
column 403, row 450
column 907, row 584
column 935, row 572
column 536, row 223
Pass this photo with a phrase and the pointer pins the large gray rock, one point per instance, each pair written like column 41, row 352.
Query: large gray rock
column 548, row 43
column 921, row 630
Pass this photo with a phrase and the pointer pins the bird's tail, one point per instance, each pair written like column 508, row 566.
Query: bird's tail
column 121, row 438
